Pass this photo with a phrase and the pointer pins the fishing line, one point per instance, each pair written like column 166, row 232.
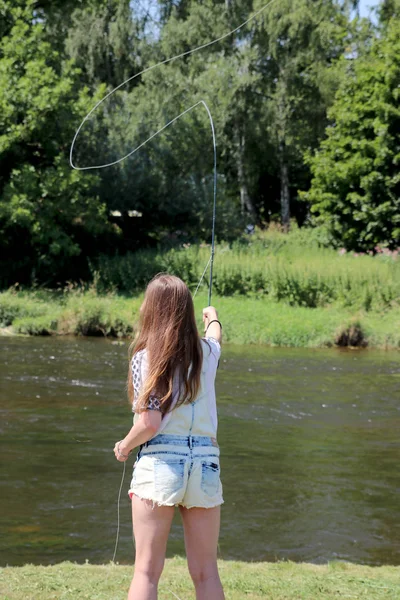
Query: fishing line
column 201, row 279
column 119, row 522
column 118, row 511
column 201, row 102
column 164, row 62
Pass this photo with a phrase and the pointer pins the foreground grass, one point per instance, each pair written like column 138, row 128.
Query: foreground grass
column 275, row 581
column 245, row 320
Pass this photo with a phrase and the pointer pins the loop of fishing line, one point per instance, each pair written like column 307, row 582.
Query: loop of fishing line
column 146, row 70
column 201, row 102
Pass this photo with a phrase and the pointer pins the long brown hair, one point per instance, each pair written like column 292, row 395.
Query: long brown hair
column 168, row 332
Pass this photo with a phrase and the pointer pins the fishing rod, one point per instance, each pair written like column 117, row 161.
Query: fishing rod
column 115, row 162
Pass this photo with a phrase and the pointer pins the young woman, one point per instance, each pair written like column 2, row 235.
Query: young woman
column 171, row 386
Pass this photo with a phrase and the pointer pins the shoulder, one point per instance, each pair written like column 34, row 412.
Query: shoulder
column 138, row 358
column 138, row 362
column 211, row 346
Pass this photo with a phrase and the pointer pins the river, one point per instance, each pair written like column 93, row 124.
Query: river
column 309, row 442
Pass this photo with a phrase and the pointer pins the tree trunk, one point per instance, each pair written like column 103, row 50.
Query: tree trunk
column 285, row 194
column 245, row 201
column 283, row 167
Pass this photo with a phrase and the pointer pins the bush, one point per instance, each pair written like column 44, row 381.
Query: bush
column 15, row 305
column 108, row 316
column 129, row 274
column 290, row 268
column 40, row 325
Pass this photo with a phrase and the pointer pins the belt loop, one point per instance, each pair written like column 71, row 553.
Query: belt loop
column 190, row 442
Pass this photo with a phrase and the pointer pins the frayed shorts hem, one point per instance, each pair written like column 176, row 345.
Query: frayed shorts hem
column 199, row 506
column 157, row 503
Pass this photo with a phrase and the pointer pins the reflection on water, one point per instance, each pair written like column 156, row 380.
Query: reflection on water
column 309, row 443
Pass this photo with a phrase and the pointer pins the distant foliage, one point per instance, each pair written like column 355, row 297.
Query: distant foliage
column 355, row 189
column 268, row 86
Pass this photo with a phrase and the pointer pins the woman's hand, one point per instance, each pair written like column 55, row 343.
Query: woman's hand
column 121, row 451
column 209, row 314
column 212, row 327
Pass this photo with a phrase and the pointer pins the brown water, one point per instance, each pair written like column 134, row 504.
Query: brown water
column 309, row 442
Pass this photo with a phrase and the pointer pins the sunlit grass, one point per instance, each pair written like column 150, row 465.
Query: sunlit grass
column 245, row 320
column 275, row 581
column 270, row 288
column 293, row 269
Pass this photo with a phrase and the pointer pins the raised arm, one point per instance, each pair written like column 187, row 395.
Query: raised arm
column 212, row 327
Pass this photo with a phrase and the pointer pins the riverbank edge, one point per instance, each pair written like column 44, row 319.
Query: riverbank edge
column 283, row 580
column 245, row 320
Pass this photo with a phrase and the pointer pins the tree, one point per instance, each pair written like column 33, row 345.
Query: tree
column 110, row 53
column 355, row 190
column 49, row 215
column 301, row 43
column 268, row 87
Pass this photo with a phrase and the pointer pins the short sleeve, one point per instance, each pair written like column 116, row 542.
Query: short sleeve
column 139, row 374
column 215, row 346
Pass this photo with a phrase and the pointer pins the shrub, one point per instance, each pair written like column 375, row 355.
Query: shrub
column 15, row 305
column 40, row 325
column 286, row 268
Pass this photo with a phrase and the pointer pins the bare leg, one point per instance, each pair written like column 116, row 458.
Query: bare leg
column 201, row 526
column 151, row 528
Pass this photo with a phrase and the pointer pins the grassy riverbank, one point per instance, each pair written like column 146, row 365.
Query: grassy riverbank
column 270, row 288
column 274, row 581
column 245, row 320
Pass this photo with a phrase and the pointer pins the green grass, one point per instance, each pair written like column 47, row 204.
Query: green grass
column 245, row 320
column 270, row 288
column 293, row 268
column 255, row 321
column 273, row 581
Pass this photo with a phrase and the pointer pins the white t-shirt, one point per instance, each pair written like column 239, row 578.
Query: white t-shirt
column 210, row 364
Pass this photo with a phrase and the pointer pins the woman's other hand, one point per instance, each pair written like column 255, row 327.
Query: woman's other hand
column 121, row 451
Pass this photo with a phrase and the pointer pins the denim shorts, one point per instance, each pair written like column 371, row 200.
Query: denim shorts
column 178, row 470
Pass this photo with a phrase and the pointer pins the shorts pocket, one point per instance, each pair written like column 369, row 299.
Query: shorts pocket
column 169, row 475
column 143, row 472
column 210, row 477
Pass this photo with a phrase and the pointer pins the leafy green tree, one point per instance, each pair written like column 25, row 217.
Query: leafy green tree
column 355, row 189
column 49, row 215
column 301, row 43
column 388, row 10
column 170, row 181
column 268, row 87
column 112, row 50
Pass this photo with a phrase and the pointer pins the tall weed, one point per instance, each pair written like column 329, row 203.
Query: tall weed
column 276, row 266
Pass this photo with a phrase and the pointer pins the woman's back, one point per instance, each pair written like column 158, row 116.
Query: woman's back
column 198, row 417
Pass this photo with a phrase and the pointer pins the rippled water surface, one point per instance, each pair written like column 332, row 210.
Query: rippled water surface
column 309, row 442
